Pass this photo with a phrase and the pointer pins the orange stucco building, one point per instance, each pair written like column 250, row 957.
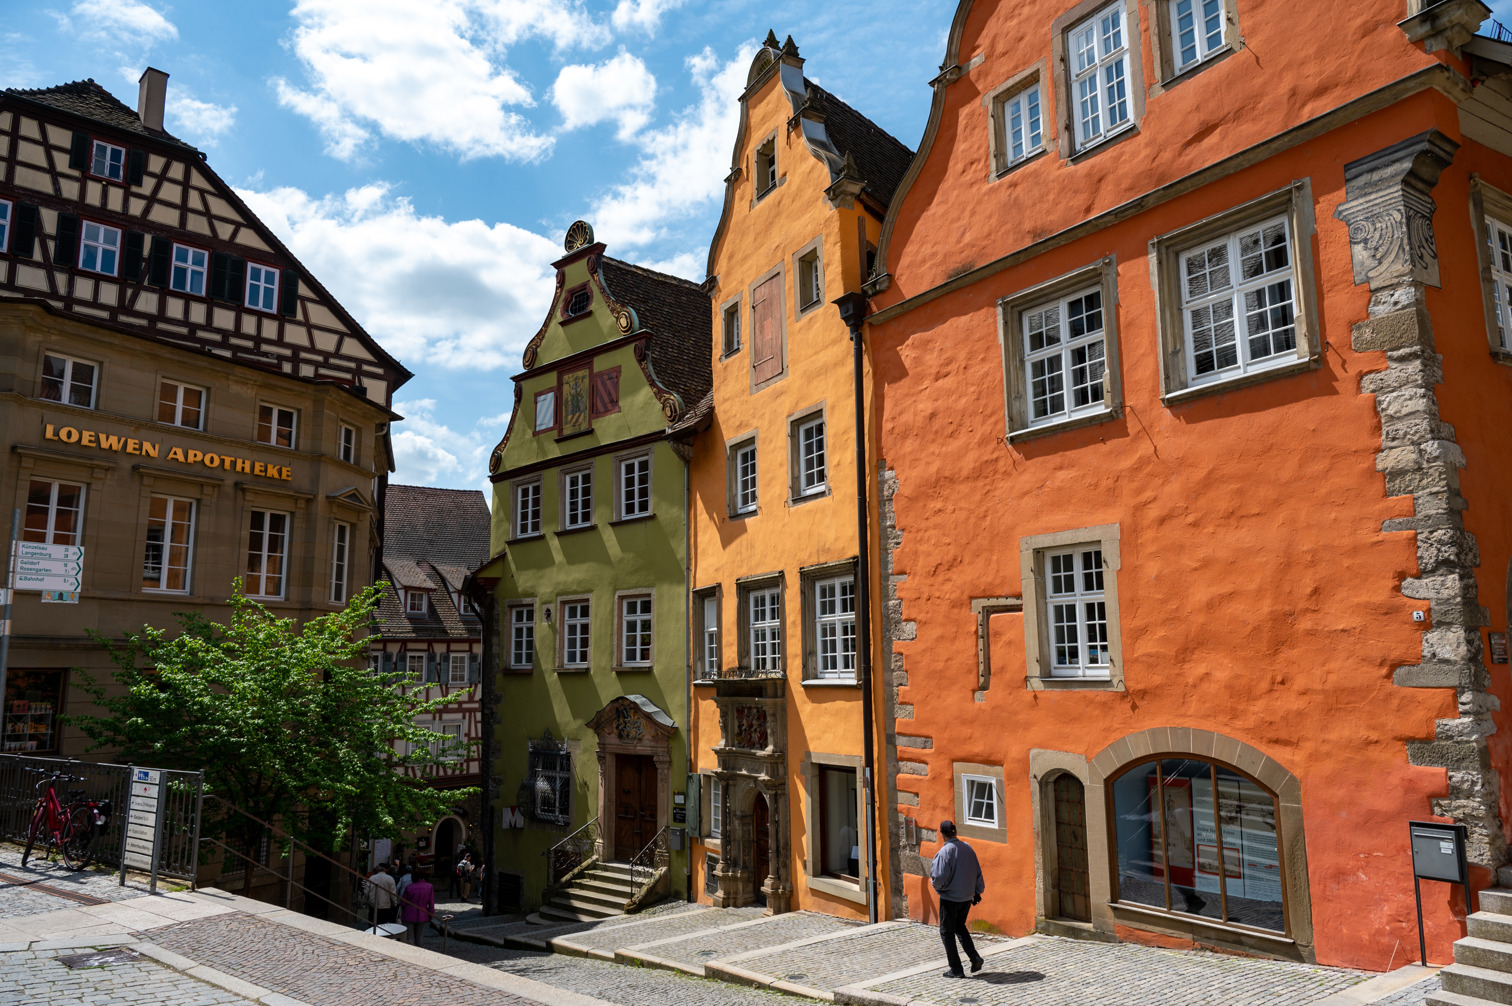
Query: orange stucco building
column 1193, row 397
column 777, row 709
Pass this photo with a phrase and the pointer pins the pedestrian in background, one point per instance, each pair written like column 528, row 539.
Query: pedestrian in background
column 418, row 906
column 384, row 895
column 465, row 875
column 957, row 877
column 406, row 877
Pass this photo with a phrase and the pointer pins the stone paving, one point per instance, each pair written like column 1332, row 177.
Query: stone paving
column 1412, row 995
column 38, row 977
column 94, row 883
column 698, row 949
column 870, row 953
column 607, row 939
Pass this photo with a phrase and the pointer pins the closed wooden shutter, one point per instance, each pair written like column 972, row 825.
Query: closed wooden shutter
column 766, row 334
column 24, row 240
column 66, row 242
column 80, row 151
column 131, row 255
column 136, row 166
column 159, row 260
column 288, row 294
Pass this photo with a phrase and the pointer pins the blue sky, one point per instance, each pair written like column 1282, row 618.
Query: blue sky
column 424, row 157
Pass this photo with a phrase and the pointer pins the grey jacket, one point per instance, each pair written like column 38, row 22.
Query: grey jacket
column 956, row 875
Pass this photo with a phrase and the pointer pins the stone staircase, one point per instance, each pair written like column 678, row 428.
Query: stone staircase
column 599, row 893
column 1482, row 968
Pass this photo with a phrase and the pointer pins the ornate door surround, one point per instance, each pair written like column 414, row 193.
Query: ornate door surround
column 631, row 725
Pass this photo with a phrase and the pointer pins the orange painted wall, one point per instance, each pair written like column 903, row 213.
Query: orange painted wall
column 1260, row 598
column 782, row 536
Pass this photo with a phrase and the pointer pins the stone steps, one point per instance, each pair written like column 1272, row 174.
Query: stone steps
column 1482, row 970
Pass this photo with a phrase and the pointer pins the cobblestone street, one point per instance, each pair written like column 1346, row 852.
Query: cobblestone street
column 39, row 977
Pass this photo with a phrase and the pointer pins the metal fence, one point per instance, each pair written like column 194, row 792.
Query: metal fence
column 177, row 853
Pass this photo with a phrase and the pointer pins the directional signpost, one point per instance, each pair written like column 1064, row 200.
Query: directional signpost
column 52, row 569
column 144, row 823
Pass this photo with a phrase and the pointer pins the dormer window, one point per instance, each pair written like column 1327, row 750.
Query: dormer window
column 109, row 161
column 415, row 602
column 766, row 167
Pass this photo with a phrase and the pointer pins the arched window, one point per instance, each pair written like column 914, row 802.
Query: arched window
column 1198, row 838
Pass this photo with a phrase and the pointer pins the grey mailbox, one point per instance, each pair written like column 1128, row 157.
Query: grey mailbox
column 1438, row 853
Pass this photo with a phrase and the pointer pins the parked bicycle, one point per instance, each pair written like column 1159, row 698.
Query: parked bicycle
column 71, row 831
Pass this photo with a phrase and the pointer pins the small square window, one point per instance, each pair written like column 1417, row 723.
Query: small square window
column 347, row 444
column 981, row 801
column 181, row 405
column 766, row 167
column 99, row 248
column 262, row 287
column 527, row 510
column 70, row 381
column 108, row 161
column 415, row 664
column 275, row 425
column 579, row 302
column 545, row 411
column 188, row 275
column 415, row 602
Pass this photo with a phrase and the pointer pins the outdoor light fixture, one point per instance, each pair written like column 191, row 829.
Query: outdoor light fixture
column 546, row 614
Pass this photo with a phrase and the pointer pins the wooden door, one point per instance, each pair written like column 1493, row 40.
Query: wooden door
column 634, row 805
column 766, row 334
column 760, row 846
column 1071, row 849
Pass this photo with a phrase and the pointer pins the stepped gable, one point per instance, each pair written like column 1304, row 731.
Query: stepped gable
column 883, row 160
column 679, row 314
column 90, row 100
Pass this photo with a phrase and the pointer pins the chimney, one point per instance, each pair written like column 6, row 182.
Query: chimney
column 151, row 96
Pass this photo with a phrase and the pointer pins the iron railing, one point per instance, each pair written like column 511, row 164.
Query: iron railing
column 655, row 856
column 572, row 852
column 180, row 796
column 1497, row 30
column 740, row 673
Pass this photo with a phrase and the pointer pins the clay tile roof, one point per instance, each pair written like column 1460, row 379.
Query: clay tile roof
column 696, row 417
column 448, row 527
column 680, row 316
column 882, row 159
column 90, row 100
column 441, row 620
column 406, row 573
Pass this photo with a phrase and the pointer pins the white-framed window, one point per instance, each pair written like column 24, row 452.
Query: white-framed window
column 262, row 287
column 67, row 380
column 716, row 808
column 766, row 168
column 577, row 498
column 416, row 602
column 635, row 632
column 456, row 668
column 1022, row 125
column 341, row 544
column 551, row 773
column 981, row 801
column 765, row 627
column 577, row 617
column 711, row 636
column 108, row 161
column 1078, row 613
column 181, row 404
column 810, row 281
column 522, row 635
column 811, row 457
column 5, row 225
column 414, row 663
column 527, row 509
column 635, row 486
column 1101, row 104
column 170, row 540
column 54, row 513
column 1499, row 237
column 276, row 425
column 835, row 626
column 267, row 552
column 545, row 411
column 1065, row 355
column 1238, row 302
column 449, row 748
column 346, row 444
column 1196, row 30
column 189, row 266
column 744, row 479
column 730, row 336
column 99, row 248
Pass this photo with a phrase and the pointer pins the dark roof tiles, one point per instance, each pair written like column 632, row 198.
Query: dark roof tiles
column 679, row 314
column 86, row 98
column 445, row 526
column 882, row 159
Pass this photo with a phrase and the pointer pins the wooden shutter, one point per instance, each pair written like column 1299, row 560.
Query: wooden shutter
column 472, row 669
column 605, row 392
column 220, row 265
column 131, row 256
column 159, row 261
column 236, row 280
column 79, row 153
column 387, row 664
column 24, row 238
column 766, row 330
column 432, row 667
column 136, row 166
column 66, row 243
column 288, row 294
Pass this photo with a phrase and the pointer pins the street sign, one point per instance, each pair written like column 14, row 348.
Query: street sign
column 52, row 553
column 51, row 569
column 143, row 818
column 33, row 581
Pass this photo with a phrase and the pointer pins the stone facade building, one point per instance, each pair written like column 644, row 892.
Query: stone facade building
column 432, row 538
column 179, row 396
column 1195, row 476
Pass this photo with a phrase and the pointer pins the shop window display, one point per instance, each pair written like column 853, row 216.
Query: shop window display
column 32, row 703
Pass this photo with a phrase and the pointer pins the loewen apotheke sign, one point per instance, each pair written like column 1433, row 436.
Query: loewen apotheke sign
column 150, row 449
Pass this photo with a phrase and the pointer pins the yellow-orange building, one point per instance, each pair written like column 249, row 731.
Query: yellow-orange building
column 777, row 710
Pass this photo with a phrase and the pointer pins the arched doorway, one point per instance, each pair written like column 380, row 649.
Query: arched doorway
column 1069, row 807
column 761, row 847
column 448, row 834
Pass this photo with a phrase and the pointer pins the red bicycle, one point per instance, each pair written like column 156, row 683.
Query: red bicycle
column 56, row 827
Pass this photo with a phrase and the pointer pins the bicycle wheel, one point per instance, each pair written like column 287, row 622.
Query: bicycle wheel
column 79, row 837
column 38, row 827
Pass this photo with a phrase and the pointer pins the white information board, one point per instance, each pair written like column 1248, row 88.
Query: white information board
column 142, row 818
column 48, row 567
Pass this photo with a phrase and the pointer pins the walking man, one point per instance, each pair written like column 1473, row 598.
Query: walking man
column 385, row 897
column 957, row 877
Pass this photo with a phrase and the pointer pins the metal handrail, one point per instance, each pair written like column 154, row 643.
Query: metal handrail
column 571, row 852
column 653, row 857
column 741, row 674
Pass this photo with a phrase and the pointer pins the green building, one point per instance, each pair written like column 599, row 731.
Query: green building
column 589, row 583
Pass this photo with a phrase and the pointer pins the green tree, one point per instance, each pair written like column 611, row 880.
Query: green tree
column 287, row 722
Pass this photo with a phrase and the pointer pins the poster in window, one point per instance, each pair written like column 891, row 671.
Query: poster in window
column 1248, row 814
column 1180, row 842
column 576, row 417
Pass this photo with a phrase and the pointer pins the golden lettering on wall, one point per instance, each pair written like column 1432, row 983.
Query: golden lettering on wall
column 148, row 449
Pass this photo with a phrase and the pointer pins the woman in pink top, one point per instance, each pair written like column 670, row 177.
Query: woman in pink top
column 417, row 906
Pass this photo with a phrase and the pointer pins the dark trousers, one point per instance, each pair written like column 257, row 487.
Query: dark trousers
column 387, row 914
column 415, row 929
column 953, row 927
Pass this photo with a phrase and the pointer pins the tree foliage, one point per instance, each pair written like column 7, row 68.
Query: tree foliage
column 287, row 722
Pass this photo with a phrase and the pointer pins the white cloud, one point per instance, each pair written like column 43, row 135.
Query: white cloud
column 199, row 121
column 426, row 71
column 620, row 90
column 683, row 166
column 450, row 293
column 125, row 22
column 421, row 459
column 642, row 14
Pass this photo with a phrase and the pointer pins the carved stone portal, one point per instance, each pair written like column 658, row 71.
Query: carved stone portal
column 755, row 859
column 630, row 729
